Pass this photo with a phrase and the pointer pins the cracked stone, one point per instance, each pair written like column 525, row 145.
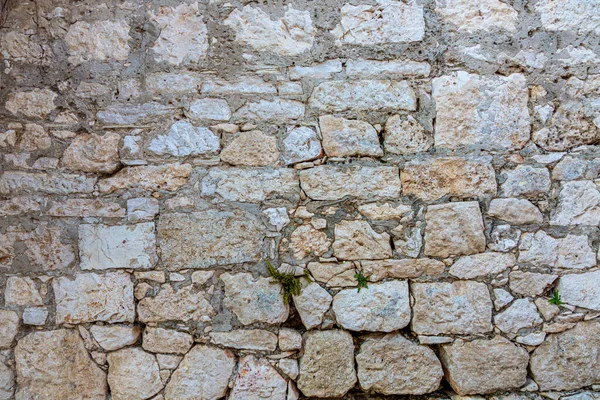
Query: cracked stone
column 356, row 240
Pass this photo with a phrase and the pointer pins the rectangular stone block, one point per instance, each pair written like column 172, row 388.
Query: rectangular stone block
column 13, row 182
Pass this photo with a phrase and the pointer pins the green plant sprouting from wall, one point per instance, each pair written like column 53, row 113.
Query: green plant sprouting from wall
column 362, row 280
column 556, row 299
column 290, row 284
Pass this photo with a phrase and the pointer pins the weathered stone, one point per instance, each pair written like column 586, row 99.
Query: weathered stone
column 333, row 183
column 573, row 252
column 212, row 109
column 432, row 179
column 460, row 308
column 93, row 153
column 36, row 316
column 363, row 95
column 394, row 365
column 306, row 241
column 356, row 240
column 168, row 177
column 198, row 240
column 522, row 313
column 86, row 208
column 526, row 181
column 277, row 217
column 484, row 366
column 481, row 265
column 9, row 326
column 387, row 21
column 248, row 339
column 290, row 35
column 189, row 382
column 251, row 185
column 101, row 40
column 115, row 337
column 382, row 307
column 133, row 374
column 569, row 169
column 582, row 290
column 184, row 304
column 502, row 298
column 333, row 274
column 327, row 366
column 345, row 138
column 7, row 381
column 21, row 291
column 454, row 229
column 37, row 103
column 14, row 182
column 166, row 341
column 169, row 83
column 142, row 209
column 494, row 111
column 34, row 137
column 119, row 246
column 125, row 114
column 378, row 270
column 301, row 144
column 92, row 297
column 183, row 34
column 184, row 139
column 272, row 110
column 290, row 368
column 515, row 211
column 533, row 339
column 385, row 211
column 289, row 340
column 322, row 70
column 56, row 365
column 362, row 68
column 484, row 15
column 578, row 204
column 257, row 379
column 530, row 283
column 238, row 86
column 21, row 47
column 251, row 149
column 405, row 135
column 45, row 248
column 254, row 300
column 569, row 15
column 564, row 362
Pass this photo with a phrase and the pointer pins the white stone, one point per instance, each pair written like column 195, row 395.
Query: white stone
column 119, row 246
column 168, row 177
column 257, row 379
column 570, row 15
column 212, row 109
column 126, row 114
column 115, row 337
column 277, row 216
column 387, row 21
column 289, row 367
column 362, row 68
column 346, row 138
column 533, row 339
column 502, row 298
column 100, row 40
column 246, row 339
column 461, row 308
column 573, row 251
column 141, row 209
column 494, row 111
column 323, row 70
column 21, row 292
column 290, row 35
column 289, row 340
column 189, row 382
column 166, row 341
column 402, row 269
column 238, row 86
column 133, row 374
column 92, row 297
column 569, row 169
column 472, row 16
column 405, row 135
column 86, row 208
column 312, row 303
column 175, row 305
column 530, row 283
column 385, row 211
column 328, row 182
column 254, row 300
column 37, row 103
column 578, row 204
column 13, row 182
column 515, row 211
column 36, row 316
column 272, row 110
column 522, row 313
column 9, row 326
column 363, row 95
column 184, row 139
column 356, row 240
column 163, row 84
column 301, row 144
column 333, row 274
column 582, row 290
column 481, row 265
column 382, row 307
column 183, row 34
column 408, row 241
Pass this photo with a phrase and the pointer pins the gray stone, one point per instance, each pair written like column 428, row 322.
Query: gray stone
column 515, row 211
column 142, row 209
column 35, row 316
column 362, row 68
column 14, row 182
column 525, row 180
column 9, row 326
column 312, row 303
column 272, row 110
column 582, row 290
column 7, row 381
column 301, row 144
column 211, row 109
column 378, row 270
column 522, row 313
column 184, row 139
column 246, row 339
column 530, row 283
column 183, row 304
column 578, row 204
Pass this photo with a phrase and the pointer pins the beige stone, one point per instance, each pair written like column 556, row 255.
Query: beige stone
column 14, row 182
column 356, row 240
column 257, row 379
column 21, row 291
column 166, row 341
column 183, row 304
column 515, row 211
column 37, row 103
column 133, row 374
column 484, row 366
column 252, row 148
column 481, row 265
column 101, row 40
column 454, row 229
column 34, row 138
column 56, row 365
column 312, row 303
column 9, row 326
column 384, row 211
column 333, row 274
column 486, row 15
column 246, row 339
column 346, row 138
column 46, row 247
column 378, row 270
column 168, row 177
column 460, row 308
column 405, row 135
column 431, row 179
column 393, row 364
column 115, row 337
column 93, row 153
column 582, row 290
column 327, row 366
column 306, row 241
column 86, row 208
column 522, row 313
column 289, row 340
column 189, row 382
column 530, row 283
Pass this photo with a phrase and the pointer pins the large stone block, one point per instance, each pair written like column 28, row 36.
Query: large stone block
column 582, row 290
column 474, row 16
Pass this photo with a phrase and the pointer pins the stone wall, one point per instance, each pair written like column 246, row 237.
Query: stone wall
column 155, row 154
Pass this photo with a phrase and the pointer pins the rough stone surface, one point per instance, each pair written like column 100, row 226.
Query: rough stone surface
column 395, row 365
column 115, row 337
column 476, row 16
column 7, row 379
column 378, row 270
column 484, row 366
column 93, row 153
column 515, row 211
column 9, row 326
column 582, row 290
column 405, row 136
column 248, row 339
column 344, row 137
column 461, row 308
column 257, row 379
column 312, row 304
column 56, row 365
column 133, row 374
column 301, row 144
column 102, row 41
column 327, row 366
column 454, row 229
column 480, row 265
column 184, row 139
column 333, row 274
column 37, row 103
column 356, row 240
column 381, row 307
column 578, row 204
column 526, row 181
column 522, row 313
column 164, row 177
column 251, row 149
column 21, row 292
column 184, row 304
column 166, row 341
